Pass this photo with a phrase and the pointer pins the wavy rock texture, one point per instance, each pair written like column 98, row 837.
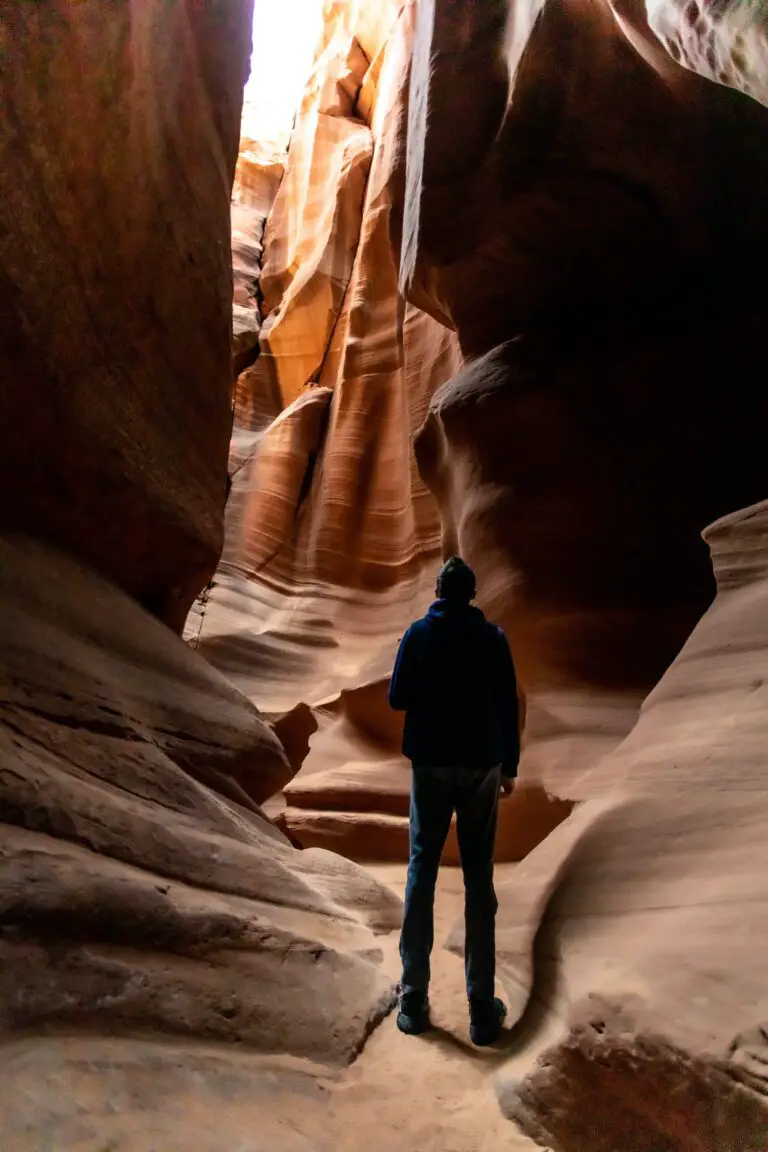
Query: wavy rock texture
column 358, row 804
column 257, row 179
column 332, row 539
column 647, row 990
column 726, row 41
column 119, row 140
column 590, row 208
column 143, row 888
column 607, row 201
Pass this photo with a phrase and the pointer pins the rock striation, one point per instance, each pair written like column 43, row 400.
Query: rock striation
column 606, row 199
column 143, row 887
column 332, row 539
column 153, row 920
column 119, row 139
column 630, row 937
column 609, row 200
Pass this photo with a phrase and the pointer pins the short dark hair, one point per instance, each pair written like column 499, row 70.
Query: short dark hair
column 456, row 581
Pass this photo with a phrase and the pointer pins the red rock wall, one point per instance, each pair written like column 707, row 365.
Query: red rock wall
column 119, row 129
column 143, row 891
column 332, row 538
column 608, row 203
column 627, row 939
column 573, row 219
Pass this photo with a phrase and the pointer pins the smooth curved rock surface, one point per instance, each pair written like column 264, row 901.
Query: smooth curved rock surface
column 576, row 233
column 599, row 179
column 119, row 133
column 585, row 549
column 143, row 888
column 597, row 188
column 332, row 539
column 649, row 905
column 353, row 792
column 331, row 535
column 726, row 41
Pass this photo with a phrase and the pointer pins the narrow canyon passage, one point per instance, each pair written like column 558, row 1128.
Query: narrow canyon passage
column 296, row 301
column 436, row 1093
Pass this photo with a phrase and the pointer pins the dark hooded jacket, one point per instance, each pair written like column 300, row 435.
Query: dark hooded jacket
column 455, row 681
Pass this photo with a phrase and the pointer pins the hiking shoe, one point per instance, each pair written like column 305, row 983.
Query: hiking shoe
column 485, row 1020
column 413, row 1017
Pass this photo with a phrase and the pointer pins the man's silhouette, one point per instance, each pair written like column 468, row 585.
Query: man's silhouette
column 455, row 681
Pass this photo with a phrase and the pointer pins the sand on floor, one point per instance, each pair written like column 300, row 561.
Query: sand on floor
column 432, row 1093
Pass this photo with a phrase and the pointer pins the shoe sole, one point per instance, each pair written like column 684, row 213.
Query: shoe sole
column 410, row 1025
column 483, row 1038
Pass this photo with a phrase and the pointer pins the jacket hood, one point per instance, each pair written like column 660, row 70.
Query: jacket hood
column 450, row 611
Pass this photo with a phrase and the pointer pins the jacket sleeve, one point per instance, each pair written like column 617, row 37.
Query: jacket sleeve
column 507, row 704
column 402, row 684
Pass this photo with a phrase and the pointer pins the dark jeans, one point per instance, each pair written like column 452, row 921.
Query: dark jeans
column 435, row 794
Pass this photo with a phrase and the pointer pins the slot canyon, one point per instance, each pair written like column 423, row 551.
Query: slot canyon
column 299, row 298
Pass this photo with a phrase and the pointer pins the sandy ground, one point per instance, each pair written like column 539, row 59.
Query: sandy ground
column 433, row 1091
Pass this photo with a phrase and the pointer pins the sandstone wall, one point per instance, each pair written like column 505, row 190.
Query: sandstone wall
column 143, row 889
column 332, row 539
column 329, row 525
column 572, row 219
column 609, row 202
column 148, row 904
column 727, row 42
column 119, row 129
column 629, row 938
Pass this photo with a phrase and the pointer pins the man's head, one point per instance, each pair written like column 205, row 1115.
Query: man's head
column 456, row 581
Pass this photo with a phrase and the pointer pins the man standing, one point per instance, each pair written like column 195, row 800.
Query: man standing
column 455, row 681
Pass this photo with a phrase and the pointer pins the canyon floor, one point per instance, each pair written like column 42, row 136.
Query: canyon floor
column 431, row 1092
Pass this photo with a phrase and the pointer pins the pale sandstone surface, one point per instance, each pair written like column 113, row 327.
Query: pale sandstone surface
column 332, row 500
column 632, row 941
column 575, row 201
column 332, row 539
column 144, row 892
column 258, row 175
column 726, row 41
column 119, row 130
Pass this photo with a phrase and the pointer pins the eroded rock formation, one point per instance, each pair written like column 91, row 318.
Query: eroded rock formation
column 142, row 885
column 119, row 138
column 145, row 896
column 726, row 41
column 257, row 179
column 590, row 198
column 539, row 189
column 609, row 200
column 648, row 981
column 332, row 539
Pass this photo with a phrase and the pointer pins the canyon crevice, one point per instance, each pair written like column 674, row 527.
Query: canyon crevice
column 501, row 296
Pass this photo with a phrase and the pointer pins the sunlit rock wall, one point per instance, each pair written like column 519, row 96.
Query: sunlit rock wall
column 332, row 539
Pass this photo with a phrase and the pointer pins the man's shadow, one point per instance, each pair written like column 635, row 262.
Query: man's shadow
column 448, row 1041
